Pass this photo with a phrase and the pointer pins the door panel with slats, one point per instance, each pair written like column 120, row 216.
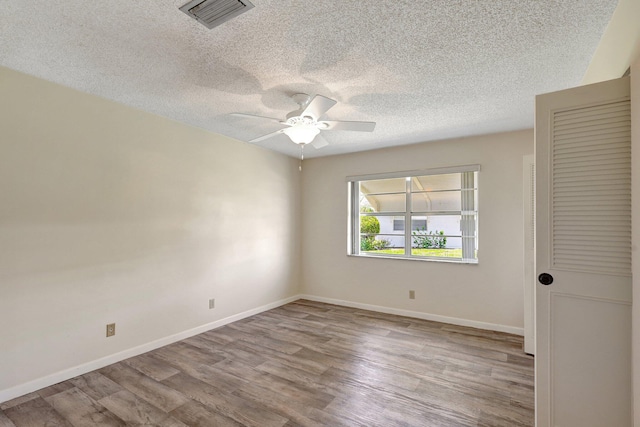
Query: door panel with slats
column 583, row 242
column 577, row 206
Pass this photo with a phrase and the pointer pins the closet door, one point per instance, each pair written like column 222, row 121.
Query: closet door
column 583, row 256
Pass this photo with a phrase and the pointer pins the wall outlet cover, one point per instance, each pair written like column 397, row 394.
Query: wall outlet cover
column 111, row 329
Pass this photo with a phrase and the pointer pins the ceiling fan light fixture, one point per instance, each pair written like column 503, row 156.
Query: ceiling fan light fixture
column 302, row 133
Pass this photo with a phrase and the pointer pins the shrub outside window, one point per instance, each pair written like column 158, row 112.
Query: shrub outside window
column 440, row 204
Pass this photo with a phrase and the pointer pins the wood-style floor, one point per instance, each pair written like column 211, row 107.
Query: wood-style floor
column 302, row 364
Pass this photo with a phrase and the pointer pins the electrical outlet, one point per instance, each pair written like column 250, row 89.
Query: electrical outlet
column 212, row 303
column 111, row 329
column 412, row 294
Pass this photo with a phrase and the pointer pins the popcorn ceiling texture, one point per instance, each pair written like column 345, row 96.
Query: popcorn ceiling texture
column 423, row 70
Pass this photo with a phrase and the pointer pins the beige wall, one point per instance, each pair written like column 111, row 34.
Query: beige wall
column 619, row 44
column 490, row 292
column 109, row 214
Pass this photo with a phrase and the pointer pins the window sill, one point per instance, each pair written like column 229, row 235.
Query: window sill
column 415, row 258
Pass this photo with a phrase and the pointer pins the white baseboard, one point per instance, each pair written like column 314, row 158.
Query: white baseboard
column 66, row 374
column 420, row 315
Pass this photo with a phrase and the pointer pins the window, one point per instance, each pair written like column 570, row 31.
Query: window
column 440, row 204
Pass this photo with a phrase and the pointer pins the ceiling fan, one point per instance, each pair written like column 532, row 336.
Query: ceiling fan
column 304, row 124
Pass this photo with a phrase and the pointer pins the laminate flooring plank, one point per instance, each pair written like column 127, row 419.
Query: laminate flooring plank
column 510, row 348
column 373, row 341
column 513, row 375
column 408, row 336
column 245, row 412
column 431, row 417
column 364, row 408
column 276, row 344
column 226, row 351
column 285, row 406
column 195, row 354
column 209, row 374
column 380, row 376
column 299, row 334
column 298, row 376
column 414, row 363
column 393, row 372
column 285, row 319
column 19, row 400
column 352, row 330
column 458, row 401
column 390, row 323
column 151, row 367
column 82, row 411
column 217, row 335
column 147, row 388
column 326, row 360
column 5, row 421
column 389, row 356
column 306, row 309
column 36, row 413
column 95, row 385
column 195, row 414
column 134, row 410
column 469, row 386
column 426, row 326
column 313, row 323
column 394, row 404
column 276, row 385
column 458, row 355
column 54, row 389
column 446, row 406
column 298, row 360
column 491, row 420
column 284, row 333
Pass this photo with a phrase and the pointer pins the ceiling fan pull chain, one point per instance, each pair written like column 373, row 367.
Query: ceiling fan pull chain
column 301, row 157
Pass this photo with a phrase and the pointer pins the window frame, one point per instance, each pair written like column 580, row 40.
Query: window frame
column 469, row 242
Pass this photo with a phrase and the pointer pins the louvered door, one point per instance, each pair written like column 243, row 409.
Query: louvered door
column 583, row 252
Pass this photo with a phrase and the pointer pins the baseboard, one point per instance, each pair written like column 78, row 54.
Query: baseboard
column 66, row 374
column 420, row 315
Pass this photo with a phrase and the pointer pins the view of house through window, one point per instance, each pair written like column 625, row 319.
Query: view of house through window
column 441, row 206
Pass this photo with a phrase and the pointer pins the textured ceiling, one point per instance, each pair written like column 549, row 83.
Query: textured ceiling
column 423, row 70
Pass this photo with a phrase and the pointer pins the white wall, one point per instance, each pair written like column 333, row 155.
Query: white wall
column 490, row 292
column 109, row 214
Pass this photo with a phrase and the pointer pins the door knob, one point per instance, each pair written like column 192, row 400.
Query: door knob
column 545, row 278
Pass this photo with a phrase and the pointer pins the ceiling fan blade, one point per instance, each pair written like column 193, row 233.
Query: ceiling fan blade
column 357, row 126
column 252, row 116
column 319, row 142
column 318, row 106
column 267, row 136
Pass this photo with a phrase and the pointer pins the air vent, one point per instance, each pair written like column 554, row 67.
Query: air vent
column 212, row 13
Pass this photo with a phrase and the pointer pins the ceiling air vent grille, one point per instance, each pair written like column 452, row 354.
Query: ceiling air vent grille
column 212, row 13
